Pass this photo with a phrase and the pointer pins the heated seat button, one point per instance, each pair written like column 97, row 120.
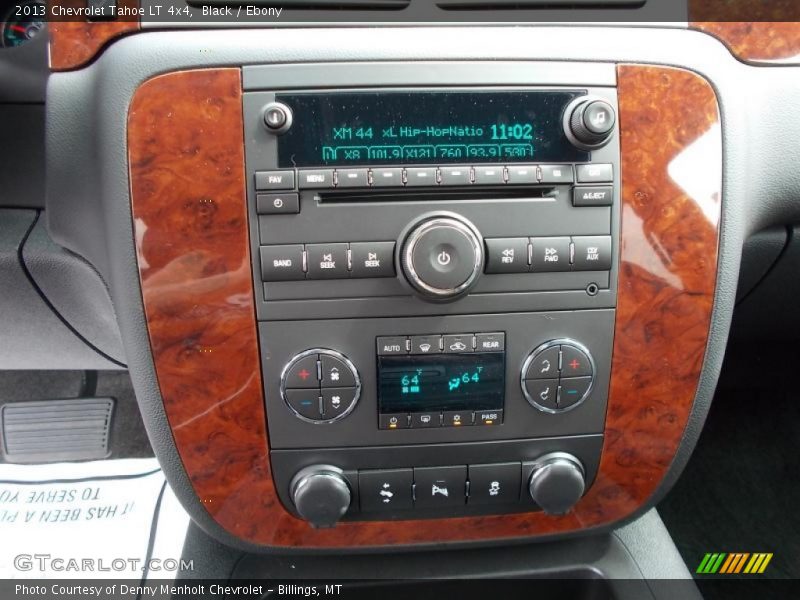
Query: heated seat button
column 436, row 487
column 543, row 392
column 592, row 253
column 507, row 255
column 282, row 263
column 574, row 362
column 494, row 484
column 372, row 259
column 386, row 489
column 550, row 254
column 335, row 372
column 303, row 373
column 336, row 401
column 305, row 403
column 573, row 390
column 544, row 365
column 327, row 261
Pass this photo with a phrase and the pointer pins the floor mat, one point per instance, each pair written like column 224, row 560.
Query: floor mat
column 740, row 492
column 105, row 519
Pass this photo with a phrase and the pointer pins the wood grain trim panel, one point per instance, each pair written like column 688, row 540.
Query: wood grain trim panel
column 188, row 198
column 75, row 43
column 756, row 41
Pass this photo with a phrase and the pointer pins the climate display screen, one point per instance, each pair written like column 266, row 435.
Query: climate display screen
column 366, row 128
column 442, row 382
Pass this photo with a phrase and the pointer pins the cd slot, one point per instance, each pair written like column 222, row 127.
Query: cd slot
column 437, row 195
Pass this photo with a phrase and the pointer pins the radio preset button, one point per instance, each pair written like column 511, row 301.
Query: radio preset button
column 424, row 420
column 490, row 342
column 507, row 255
column 347, row 178
column 421, row 176
column 315, row 178
column 550, row 254
column 544, row 365
column 544, row 392
column 394, row 421
column 303, row 373
column 455, row 175
column 494, row 484
column 595, row 173
column 489, row 175
column 372, row 259
column 592, row 253
column 557, row 173
column 327, row 261
column 458, row 343
column 388, row 346
column 335, row 372
column 387, row 177
column 275, row 180
column 277, row 204
column 305, row 403
column 523, row 174
column 457, row 418
column 593, row 196
column 281, row 263
column 426, row 344
column 440, row 486
column 336, row 401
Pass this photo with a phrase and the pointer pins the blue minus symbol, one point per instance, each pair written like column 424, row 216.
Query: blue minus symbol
column 306, row 402
column 572, row 392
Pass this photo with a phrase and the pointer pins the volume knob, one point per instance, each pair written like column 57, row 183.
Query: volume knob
column 589, row 123
column 320, row 494
column 557, row 482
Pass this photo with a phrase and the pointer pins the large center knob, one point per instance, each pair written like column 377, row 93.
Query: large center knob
column 443, row 257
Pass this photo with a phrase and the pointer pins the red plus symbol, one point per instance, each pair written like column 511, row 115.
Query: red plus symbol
column 574, row 364
column 304, row 374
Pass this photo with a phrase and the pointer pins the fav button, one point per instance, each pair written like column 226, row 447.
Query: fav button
column 440, row 486
column 372, row 259
column 275, row 180
column 386, row 489
column 327, row 261
column 494, row 484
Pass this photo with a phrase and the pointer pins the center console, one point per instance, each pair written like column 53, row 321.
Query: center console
column 435, row 272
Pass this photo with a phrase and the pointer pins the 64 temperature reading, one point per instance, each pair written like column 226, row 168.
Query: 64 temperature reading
column 465, row 379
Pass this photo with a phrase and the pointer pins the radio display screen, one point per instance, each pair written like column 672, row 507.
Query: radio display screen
column 474, row 381
column 388, row 128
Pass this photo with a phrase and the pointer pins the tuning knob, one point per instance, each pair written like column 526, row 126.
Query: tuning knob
column 320, row 494
column 557, row 482
column 442, row 257
column 589, row 123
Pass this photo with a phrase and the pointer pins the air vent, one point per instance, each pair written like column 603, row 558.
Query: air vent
column 309, row 4
column 537, row 4
column 56, row 430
